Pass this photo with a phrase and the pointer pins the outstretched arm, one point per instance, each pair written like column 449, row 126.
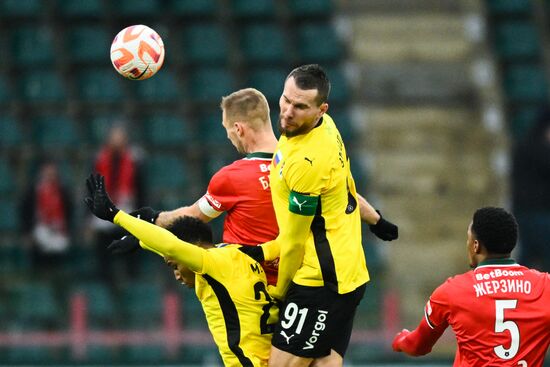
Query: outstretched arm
column 156, row 238
column 418, row 342
column 383, row 229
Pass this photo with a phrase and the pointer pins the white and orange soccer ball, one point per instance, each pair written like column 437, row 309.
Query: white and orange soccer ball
column 137, row 52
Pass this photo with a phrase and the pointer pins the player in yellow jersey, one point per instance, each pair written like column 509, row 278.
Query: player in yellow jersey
column 230, row 282
column 322, row 269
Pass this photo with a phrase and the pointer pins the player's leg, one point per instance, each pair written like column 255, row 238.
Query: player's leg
column 279, row 358
column 340, row 330
column 332, row 360
column 300, row 335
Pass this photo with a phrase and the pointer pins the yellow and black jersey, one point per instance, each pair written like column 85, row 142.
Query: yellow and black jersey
column 231, row 286
column 310, row 176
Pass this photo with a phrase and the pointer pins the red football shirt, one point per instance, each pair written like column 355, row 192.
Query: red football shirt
column 500, row 313
column 242, row 190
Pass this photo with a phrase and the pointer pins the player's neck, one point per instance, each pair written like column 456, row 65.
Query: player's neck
column 263, row 142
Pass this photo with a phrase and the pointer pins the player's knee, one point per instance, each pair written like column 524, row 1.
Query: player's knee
column 332, row 360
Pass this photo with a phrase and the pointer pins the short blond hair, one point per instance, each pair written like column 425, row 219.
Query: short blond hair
column 247, row 105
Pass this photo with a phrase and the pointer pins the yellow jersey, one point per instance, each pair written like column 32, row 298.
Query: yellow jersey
column 311, row 176
column 231, row 286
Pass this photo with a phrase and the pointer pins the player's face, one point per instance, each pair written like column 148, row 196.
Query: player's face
column 232, row 135
column 299, row 109
column 185, row 276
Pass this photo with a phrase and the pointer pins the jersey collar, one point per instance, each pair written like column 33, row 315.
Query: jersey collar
column 261, row 155
column 506, row 261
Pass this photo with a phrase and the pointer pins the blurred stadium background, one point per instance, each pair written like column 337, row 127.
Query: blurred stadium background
column 429, row 96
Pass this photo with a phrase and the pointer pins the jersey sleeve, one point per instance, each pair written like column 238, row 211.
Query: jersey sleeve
column 162, row 242
column 436, row 311
column 220, row 195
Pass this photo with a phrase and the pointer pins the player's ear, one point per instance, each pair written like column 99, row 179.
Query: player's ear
column 239, row 128
column 477, row 247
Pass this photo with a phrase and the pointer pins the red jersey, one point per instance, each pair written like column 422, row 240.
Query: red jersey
column 500, row 313
column 242, row 190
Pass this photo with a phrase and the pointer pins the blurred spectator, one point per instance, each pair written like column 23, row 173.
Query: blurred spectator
column 46, row 213
column 121, row 165
column 531, row 193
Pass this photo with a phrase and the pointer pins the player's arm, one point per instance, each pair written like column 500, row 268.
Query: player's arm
column 367, row 211
column 162, row 241
column 292, row 238
column 156, row 238
column 420, row 341
column 167, row 217
column 383, row 229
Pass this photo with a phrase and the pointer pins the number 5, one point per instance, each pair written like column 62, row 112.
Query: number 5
column 501, row 326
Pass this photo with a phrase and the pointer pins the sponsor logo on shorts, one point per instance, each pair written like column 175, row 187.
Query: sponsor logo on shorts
column 319, row 326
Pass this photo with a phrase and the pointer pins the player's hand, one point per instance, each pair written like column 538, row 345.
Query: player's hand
column 384, row 229
column 398, row 338
column 146, row 213
column 125, row 245
column 98, row 201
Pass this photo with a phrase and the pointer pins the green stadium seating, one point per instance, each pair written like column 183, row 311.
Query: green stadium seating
column 99, row 304
column 522, row 120
column 270, row 81
column 43, row 86
column 145, row 353
column 142, row 305
column 312, row 50
column 201, row 355
column 211, row 130
column 16, row 8
column 195, row 39
column 517, row 39
column 143, row 8
column 163, row 87
column 81, row 8
column 526, row 83
column 166, row 172
column 53, row 131
column 100, row 85
column 210, row 84
column 192, row 315
column 10, row 132
column 194, row 8
column 100, row 123
column 5, row 90
column 253, row 8
column 311, row 8
column 7, row 182
column 89, row 44
column 36, row 305
column 35, row 355
column 509, row 7
column 8, row 220
column 339, row 91
column 14, row 259
column 33, row 45
column 264, row 43
column 167, row 130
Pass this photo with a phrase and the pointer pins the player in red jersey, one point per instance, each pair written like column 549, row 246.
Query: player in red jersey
column 499, row 311
column 240, row 189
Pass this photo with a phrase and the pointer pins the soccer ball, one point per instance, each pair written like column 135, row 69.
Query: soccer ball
column 137, row 52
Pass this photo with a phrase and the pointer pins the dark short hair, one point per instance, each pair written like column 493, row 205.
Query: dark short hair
column 312, row 76
column 192, row 230
column 496, row 229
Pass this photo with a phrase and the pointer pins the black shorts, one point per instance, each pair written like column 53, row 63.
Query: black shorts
column 314, row 320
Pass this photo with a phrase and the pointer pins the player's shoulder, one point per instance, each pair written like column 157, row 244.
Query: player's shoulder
column 456, row 282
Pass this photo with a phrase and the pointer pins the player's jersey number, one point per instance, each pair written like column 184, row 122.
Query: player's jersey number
column 259, row 288
column 502, row 325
